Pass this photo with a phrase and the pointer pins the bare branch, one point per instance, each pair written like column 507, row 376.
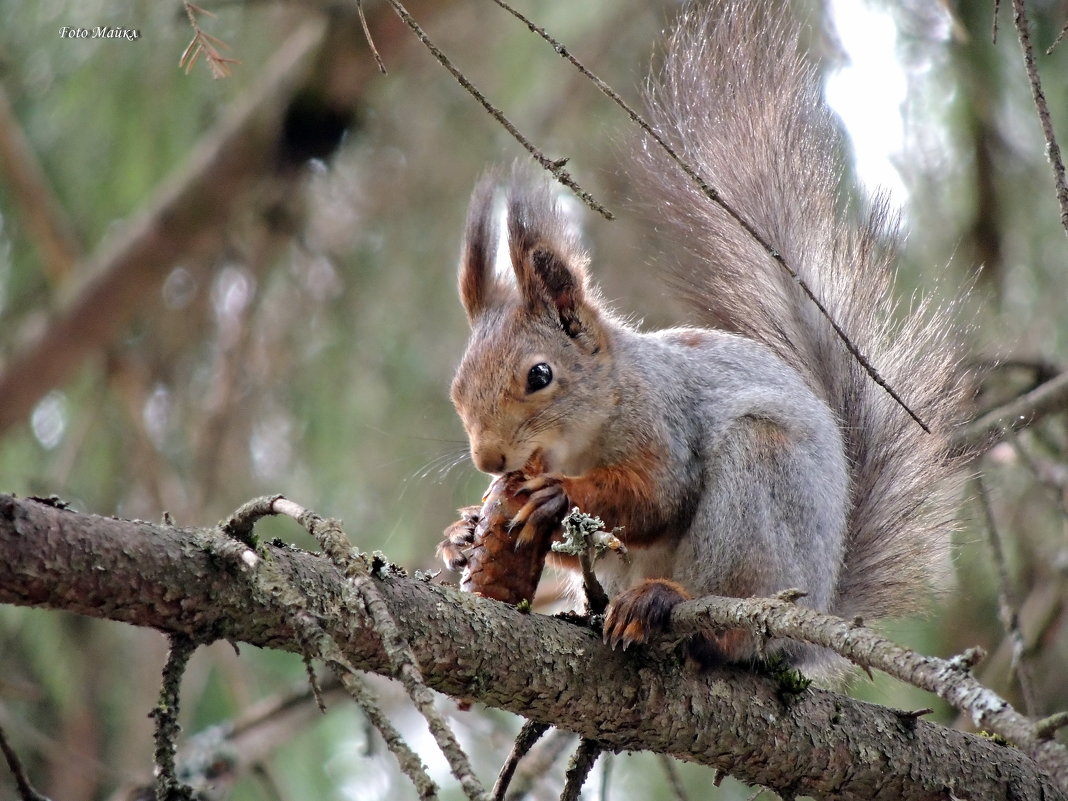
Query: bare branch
column 533, row 769
column 26, row 791
column 556, row 167
column 1053, row 150
column 404, row 665
column 582, row 762
column 1007, row 610
column 187, row 216
column 370, row 40
column 546, row 669
column 949, row 680
column 41, row 214
column 168, row 788
column 714, row 195
column 410, row 763
column 528, row 735
column 1022, row 412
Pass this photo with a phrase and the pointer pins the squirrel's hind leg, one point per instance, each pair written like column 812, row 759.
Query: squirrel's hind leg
column 644, row 611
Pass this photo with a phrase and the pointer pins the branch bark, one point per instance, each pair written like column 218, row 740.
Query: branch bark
column 195, row 582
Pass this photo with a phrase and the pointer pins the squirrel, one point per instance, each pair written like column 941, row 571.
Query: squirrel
column 754, row 454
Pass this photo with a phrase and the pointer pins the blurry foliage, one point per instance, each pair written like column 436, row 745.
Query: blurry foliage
column 318, row 365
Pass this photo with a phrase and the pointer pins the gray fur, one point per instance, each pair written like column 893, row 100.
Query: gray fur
column 777, row 463
column 737, row 100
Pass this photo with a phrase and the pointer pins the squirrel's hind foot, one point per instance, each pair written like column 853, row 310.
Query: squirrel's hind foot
column 638, row 614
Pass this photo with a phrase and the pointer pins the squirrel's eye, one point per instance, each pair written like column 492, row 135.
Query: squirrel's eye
column 539, row 377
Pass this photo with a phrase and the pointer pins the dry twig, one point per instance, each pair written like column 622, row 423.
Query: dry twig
column 986, row 431
column 556, row 167
column 370, row 40
column 357, row 570
column 529, row 734
column 165, row 714
column 714, row 195
column 205, row 44
column 1007, row 611
column 1053, row 150
column 26, row 791
column 579, row 768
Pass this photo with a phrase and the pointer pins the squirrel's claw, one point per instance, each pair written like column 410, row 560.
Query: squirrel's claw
column 637, row 614
column 453, row 548
column 545, row 506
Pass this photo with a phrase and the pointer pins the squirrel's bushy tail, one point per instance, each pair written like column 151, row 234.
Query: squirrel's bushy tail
column 737, row 101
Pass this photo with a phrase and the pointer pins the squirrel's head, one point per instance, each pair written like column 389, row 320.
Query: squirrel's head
column 536, row 376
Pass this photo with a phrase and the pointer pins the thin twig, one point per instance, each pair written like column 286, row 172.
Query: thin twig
column 166, row 719
column 1053, row 151
column 1047, row 727
column 674, row 780
column 407, row 759
column 1043, row 474
column 370, row 41
column 713, row 194
column 26, row 791
column 316, row 640
column 313, row 682
column 579, row 768
column 994, row 23
column 206, row 44
column 555, row 167
column 534, row 768
column 1007, row 611
column 1057, row 41
column 606, row 776
column 335, row 545
column 1026, row 410
column 529, row 734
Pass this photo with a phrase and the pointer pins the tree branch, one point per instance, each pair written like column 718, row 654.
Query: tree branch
column 196, row 582
column 188, row 215
column 986, row 431
column 40, row 212
column 241, row 160
column 950, row 680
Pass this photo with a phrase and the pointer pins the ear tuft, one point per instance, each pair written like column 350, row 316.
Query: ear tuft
column 549, row 265
column 476, row 278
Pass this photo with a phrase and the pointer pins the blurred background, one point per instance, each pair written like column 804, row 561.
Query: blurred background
column 180, row 334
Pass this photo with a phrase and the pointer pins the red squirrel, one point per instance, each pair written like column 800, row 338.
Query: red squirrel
column 752, row 455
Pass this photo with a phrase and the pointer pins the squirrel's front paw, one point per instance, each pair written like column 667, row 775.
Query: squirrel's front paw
column 642, row 611
column 545, row 507
column 459, row 537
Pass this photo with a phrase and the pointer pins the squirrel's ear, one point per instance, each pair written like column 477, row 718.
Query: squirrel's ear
column 549, row 266
column 478, row 284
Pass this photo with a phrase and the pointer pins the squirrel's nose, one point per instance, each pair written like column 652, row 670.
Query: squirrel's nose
column 489, row 458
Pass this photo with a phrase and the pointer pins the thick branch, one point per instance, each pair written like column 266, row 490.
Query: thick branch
column 951, row 680
column 236, row 163
column 195, row 582
column 188, row 215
